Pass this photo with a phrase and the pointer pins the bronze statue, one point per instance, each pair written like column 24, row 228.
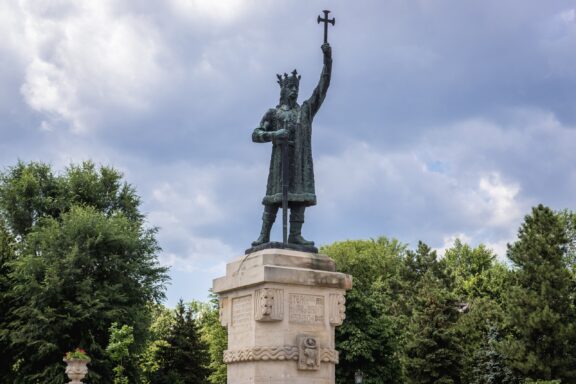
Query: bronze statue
column 291, row 176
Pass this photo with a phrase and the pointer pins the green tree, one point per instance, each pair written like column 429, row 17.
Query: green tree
column 121, row 339
column 216, row 338
column 479, row 283
column 469, row 268
column 185, row 357
column 369, row 338
column 433, row 351
column 490, row 364
column 539, row 305
column 150, row 359
column 6, row 258
column 568, row 220
column 83, row 259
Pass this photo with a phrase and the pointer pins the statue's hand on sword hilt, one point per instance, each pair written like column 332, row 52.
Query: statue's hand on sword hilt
column 280, row 136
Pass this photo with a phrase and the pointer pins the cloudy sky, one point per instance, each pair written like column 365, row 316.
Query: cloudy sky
column 445, row 119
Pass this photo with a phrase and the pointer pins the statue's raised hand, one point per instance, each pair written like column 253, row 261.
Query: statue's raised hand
column 327, row 50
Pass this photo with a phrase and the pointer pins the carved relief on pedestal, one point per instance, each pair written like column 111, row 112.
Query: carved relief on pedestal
column 275, row 353
column 224, row 311
column 337, row 308
column 308, row 353
column 269, row 304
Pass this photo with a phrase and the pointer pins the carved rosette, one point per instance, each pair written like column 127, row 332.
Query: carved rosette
column 269, row 304
column 285, row 352
column 337, row 308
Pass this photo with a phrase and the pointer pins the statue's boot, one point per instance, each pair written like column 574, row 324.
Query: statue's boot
column 268, row 218
column 296, row 221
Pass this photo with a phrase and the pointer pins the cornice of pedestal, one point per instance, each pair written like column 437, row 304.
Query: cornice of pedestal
column 284, row 267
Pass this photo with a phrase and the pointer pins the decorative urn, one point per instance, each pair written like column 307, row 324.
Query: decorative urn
column 76, row 370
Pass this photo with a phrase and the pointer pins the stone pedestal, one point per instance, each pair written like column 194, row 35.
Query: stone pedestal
column 281, row 308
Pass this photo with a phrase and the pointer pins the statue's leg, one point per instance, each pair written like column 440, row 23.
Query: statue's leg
column 296, row 221
column 268, row 218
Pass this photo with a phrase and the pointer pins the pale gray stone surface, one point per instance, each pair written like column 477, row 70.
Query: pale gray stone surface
column 281, row 308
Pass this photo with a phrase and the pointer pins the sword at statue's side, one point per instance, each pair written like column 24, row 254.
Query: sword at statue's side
column 285, row 184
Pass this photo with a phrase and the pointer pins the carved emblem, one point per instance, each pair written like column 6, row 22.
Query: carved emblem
column 269, row 304
column 337, row 308
column 309, row 353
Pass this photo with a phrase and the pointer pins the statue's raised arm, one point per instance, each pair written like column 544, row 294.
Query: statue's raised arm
column 315, row 101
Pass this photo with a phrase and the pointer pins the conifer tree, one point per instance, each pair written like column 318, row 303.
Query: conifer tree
column 185, row 357
column 491, row 366
column 433, row 352
column 539, row 305
column 6, row 257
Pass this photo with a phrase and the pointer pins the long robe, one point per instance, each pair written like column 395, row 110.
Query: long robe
column 298, row 121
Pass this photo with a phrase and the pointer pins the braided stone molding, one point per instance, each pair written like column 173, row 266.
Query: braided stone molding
column 287, row 352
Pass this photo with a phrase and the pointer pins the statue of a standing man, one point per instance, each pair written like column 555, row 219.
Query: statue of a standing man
column 292, row 124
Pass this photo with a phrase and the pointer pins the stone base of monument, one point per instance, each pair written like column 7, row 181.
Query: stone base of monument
column 281, row 308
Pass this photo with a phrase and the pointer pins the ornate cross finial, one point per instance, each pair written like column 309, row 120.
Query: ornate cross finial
column 326, row 20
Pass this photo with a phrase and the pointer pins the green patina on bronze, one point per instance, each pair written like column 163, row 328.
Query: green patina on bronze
column 290, row 124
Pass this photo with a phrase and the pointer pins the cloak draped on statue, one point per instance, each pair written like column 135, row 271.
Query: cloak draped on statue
column 298, row 122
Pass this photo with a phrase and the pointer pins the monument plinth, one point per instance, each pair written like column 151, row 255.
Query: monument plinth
column 281, row 308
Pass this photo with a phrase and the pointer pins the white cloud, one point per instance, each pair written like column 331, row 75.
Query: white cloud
column 214, row 11
column 203, row 255
column 449, row 240
column 500, row 200
column 83, row 57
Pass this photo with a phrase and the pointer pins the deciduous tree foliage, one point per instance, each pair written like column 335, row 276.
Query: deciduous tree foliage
column 121, row 339
column 369, row 338
column 469, row 268
column 216, row 338
column 83, row 259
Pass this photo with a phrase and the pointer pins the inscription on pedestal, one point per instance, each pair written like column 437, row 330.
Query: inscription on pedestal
column 306, row 309
column 241, row 311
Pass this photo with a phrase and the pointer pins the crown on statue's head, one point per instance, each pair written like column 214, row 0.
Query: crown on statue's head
column 289, row 80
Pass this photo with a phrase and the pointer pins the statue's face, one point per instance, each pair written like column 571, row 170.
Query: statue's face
column 293, row 92
column 289, row 93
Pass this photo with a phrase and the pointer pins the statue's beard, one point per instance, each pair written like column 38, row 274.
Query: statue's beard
column 288, row 98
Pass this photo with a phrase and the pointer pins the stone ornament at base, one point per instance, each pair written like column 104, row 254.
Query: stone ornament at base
column 76, row 369
column 285, row 352
column 308, row 353
column 281, row 308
